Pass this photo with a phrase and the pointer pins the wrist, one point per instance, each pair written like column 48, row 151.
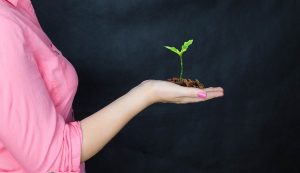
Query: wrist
column 146, row 90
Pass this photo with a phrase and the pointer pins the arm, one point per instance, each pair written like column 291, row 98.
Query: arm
column 99, row 128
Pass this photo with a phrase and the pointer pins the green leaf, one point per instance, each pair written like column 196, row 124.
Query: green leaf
column 173, row 49
column 185, row 46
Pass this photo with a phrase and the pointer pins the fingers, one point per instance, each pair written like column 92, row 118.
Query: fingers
column 214, row 89
column 213, row 92
column 192, row 95
column 193, row 92
column 189, row 100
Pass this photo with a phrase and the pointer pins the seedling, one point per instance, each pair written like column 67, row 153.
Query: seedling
column 184, row 48
column 181, row 81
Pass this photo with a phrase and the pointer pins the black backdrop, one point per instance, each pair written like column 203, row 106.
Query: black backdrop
column 250, row 48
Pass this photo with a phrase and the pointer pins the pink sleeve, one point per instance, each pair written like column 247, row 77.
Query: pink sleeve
column 31, row 129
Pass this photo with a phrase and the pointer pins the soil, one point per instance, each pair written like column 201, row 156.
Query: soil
column 187, row 82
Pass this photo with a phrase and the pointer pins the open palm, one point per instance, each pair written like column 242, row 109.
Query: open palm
column 168, row 92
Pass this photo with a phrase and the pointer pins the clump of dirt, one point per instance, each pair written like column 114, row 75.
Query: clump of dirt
column 187, row 82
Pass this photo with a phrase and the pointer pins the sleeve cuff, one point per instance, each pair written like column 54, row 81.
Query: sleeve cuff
column 76, row 142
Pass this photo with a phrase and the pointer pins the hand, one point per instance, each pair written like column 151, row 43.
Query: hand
column 168, row 92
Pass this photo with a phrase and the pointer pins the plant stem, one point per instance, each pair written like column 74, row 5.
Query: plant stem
column 181, row 68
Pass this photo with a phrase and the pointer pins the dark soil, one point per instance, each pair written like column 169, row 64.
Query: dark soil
column 187, row 82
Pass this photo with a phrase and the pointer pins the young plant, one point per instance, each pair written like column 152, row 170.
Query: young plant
column 184, row 48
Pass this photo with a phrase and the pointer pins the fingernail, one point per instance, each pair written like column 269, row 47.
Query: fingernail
column 202, row 94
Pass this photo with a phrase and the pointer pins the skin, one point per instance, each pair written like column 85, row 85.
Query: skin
column 100, row 127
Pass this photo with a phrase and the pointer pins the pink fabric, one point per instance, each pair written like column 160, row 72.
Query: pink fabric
column 38, row 132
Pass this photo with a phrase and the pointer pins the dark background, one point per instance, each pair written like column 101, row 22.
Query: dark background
column 250, row 48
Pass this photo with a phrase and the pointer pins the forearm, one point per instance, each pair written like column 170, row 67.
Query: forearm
column 99, row 128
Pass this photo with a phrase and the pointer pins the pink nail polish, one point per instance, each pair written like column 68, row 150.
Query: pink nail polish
column 202, row 94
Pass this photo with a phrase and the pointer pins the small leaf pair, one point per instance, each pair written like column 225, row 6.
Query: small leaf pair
column 184, row 48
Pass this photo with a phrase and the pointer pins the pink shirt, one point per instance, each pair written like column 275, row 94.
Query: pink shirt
column 38, row 133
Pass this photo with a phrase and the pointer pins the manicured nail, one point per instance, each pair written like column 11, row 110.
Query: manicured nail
column 202, row 94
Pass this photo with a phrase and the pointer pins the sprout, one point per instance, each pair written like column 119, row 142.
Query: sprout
column 184, row 48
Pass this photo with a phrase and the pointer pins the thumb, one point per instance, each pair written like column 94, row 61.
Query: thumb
column 194, row 92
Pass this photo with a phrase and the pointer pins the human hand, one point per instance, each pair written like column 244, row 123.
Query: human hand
column 160, row 91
